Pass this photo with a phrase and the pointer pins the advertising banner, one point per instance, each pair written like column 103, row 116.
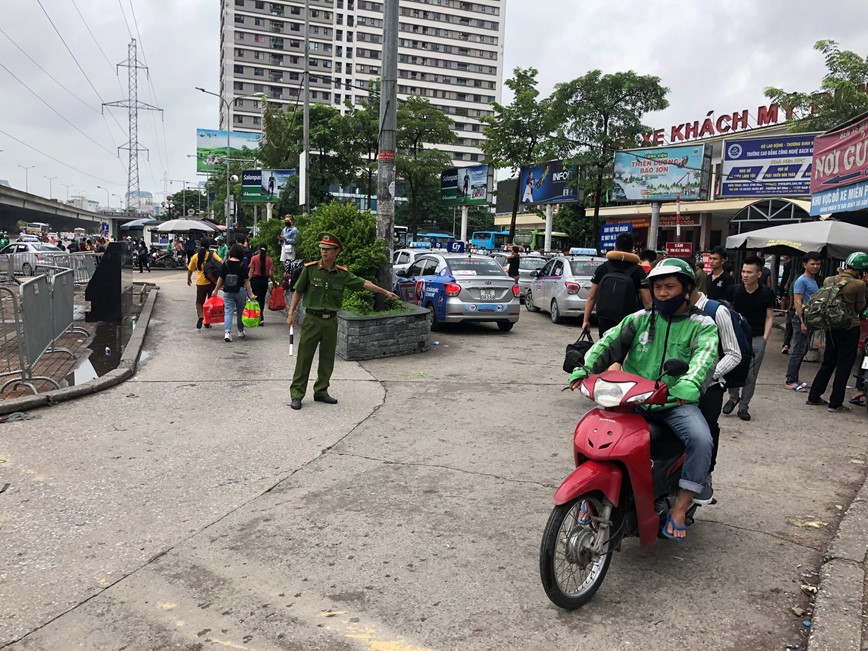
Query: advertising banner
column 262, row 186
column 851, row 197
column 610, row 232
column 661, row 174
column 840, row 157
column 464, row 186
column 765, row 167
column 211, row 148
column 547, row 183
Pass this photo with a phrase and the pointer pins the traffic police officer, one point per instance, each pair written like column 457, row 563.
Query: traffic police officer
column 322, row 284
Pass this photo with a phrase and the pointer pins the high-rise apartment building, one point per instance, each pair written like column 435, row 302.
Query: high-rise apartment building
column 449, row 51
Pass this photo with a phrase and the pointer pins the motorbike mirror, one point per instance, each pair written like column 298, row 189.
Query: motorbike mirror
column 675, row 367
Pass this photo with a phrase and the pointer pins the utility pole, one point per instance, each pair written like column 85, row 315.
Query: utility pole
column 387, row 144
column 50, row 179
column 305, row 163
column 67, row 186
column 26, row 169
column 133, row 105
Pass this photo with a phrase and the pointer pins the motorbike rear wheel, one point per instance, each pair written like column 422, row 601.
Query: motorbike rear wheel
column 570, row 570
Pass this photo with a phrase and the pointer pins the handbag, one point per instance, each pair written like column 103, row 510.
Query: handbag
column 575, row 354
column 277, row 300
column 212, row 311
column 251, row 315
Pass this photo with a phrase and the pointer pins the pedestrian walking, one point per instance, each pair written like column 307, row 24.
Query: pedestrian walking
column 143, row 256
column 841, row 344
column 204, row 287
column 719, row 280
column 190, row 247
column 222, row 247
column 321, row 284
column 859, row 397
column 804, row 287
column 512, row 264
column 756, row 303
column 287, row 239
column 261, row 272
column 233, row 281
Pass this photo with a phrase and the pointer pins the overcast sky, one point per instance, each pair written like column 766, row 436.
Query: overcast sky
column 713, row 56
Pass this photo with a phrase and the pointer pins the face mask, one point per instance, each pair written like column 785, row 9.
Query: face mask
column 670, row 306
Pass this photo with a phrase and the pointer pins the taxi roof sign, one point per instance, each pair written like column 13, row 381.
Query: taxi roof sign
column 577, row 250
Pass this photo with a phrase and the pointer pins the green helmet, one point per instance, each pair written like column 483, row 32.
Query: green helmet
column 673, row 267
column 857, row 261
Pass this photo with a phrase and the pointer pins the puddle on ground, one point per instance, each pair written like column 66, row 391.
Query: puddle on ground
column 108, row 344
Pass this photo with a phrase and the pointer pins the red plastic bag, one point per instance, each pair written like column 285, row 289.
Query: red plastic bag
column 277, row 300
column 212, row 310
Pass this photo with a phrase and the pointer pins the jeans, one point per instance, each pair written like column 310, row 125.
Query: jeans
column 840, row 354
column 690, row 426
column 791, row 327
column 800, row 347
column 759, row 349
column 233, row 302
column 710, row 404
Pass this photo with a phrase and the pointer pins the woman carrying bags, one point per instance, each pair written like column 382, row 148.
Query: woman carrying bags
column 233, row 281
column 204, row 287
column 261, row 271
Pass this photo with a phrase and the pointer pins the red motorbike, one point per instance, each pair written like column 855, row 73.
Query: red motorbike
column 625, row 481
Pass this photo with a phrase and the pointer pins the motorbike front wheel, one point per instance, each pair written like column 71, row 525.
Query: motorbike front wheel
column 570, row 569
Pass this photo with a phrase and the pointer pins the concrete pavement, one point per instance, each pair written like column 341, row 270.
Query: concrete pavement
column 189, row 507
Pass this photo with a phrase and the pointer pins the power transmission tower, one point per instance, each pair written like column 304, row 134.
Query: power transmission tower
column 133, row 105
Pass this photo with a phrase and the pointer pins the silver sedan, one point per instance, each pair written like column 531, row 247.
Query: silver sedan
column 562, row 286
column 22, row 258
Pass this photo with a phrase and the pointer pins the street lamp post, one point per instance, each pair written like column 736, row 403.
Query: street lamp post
column 26, row 169
column 120, row 200
column 50, row 179
column 108, row 202
column 67, row 186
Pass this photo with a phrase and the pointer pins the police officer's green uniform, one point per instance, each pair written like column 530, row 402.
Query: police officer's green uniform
column 322, row 295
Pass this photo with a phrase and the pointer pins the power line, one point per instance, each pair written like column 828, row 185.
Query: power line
column 126, row 22
column 99, row 47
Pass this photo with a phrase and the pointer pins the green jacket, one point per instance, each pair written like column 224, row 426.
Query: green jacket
column 691, row 337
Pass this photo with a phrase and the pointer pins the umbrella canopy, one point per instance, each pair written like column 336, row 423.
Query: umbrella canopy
column 137, row 224
column 185, row 226
column 834, row 239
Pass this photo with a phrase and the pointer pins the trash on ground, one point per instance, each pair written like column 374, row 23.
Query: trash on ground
column 16, row 416
column 814, row 524
column 798, row 611
column 809, row 589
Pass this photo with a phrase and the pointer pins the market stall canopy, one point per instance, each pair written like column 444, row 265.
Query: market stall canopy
column 138, row 224
column 185, row 226
column 834, row 239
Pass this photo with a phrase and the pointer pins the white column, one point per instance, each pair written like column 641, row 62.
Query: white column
column 464, row 223
column 655, row 225
column 550, row 211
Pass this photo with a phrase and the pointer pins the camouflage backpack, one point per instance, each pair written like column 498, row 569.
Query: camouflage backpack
column 827, row 309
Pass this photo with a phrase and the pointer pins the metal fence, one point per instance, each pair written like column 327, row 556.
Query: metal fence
column 14, row 265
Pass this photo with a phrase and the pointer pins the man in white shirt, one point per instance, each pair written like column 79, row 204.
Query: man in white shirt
column 288, row 236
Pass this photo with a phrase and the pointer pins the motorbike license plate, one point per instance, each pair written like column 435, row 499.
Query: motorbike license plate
column 487, row 294
column 865, row 363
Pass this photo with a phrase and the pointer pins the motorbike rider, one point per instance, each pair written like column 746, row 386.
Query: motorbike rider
column 672, row 328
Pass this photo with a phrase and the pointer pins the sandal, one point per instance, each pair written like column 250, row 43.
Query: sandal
column 785, row 349
column 857, row 401
column 797, row 386
column 584, row 517
column 675, row 527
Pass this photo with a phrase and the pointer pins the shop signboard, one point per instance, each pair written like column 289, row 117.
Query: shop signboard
column 547, row 183
column 464, row 186
column 662, row 174
column 767, row 167
column 850, row 197
column 211, row 148
column 679, row 249
column 264, row 186
column 610, row 232
column 839, row 182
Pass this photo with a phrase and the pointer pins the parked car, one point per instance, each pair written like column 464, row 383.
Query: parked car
column 562, row 286
column 403, row 258
column 527, row 265
column 26, row 255
column 458, row 287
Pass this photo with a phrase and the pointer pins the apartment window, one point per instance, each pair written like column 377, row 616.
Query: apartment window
column 349, row 68
column 258, row 72
column 238, row 85
column 295, row 10
column 314, row 46
column 239, row 3
column 239, row 52
column 276, row 26
column 295, row 27
column 257, row 88
column 239, row 36
column 314, row 94
column 257, row 121
column 339, row 35
column 276, row 10
column 239, row 70
column 259, row 4
column 349, row 53
column 239, row 18
column 258, row 55
column 293, row 76
column 259, row 22
column 238, row 119
column 294, row 43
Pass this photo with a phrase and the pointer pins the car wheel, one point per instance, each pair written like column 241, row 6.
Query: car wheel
column 432, row 318
column 556, row 313
column 26, row 269
column 505, row 326
column 528, row 302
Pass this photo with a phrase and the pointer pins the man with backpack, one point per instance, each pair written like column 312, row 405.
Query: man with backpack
column 616, row 287
column 803, row 289
column 755, row 303
column 835, row 308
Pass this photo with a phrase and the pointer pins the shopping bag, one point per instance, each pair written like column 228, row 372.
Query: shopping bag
column 212, row 311
column 251, row 315
column 277, row 300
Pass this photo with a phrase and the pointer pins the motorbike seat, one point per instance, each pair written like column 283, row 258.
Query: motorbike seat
column 664, row 443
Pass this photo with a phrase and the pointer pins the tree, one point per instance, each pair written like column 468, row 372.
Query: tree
column 843, row 93
column 420, row 124
column 600, row 114
column 520, row 134
column 360, row 139
column 572, row 220
column 185, row 200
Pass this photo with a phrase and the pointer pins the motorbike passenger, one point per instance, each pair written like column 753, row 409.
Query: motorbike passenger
column 672, row 328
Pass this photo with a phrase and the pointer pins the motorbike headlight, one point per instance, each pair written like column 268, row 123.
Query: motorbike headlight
column 642, row 397
column 587, row 393
column 611, row 394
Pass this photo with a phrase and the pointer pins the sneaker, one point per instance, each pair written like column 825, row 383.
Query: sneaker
column 816, row 403
column 706, row 495
column 227, row 337
column 744, row 414
column 241, row 334
column 199, row 323
column 840, row 409
column 729, row 406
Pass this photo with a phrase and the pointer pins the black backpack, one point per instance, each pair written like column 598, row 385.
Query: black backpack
column 211, row 268
column 616, row 295
column 737, row 377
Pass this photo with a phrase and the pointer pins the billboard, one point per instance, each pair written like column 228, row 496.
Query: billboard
column 547, row 183
column 464, row 186
column 610, row 232
column 263, row 186
column 211, row 148
column 661, row 174
column 851, row 197
column 767, row 167
column 840, row 157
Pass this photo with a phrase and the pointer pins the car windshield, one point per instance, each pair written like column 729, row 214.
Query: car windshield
column 583, row 267
column 475, row 267
column 532, row 263
column 47, row 248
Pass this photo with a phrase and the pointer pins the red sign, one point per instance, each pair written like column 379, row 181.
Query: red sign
column 840, row 157
column 716, row 126
column 679, row 249
column 387, row 155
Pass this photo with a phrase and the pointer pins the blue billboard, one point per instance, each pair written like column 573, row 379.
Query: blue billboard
column 548, row 183
column 767, row 167
column 661, row 174
column 610, row 232
column 847, row 198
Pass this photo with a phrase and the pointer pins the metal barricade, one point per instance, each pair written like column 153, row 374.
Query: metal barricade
column 11, row 335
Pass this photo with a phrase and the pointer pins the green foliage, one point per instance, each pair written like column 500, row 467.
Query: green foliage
column 362, row 304
column 843, row 93
column 572, row 220
column 188, row 199
column 268, row 231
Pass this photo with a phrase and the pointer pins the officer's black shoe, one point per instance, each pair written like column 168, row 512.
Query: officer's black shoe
column 296, row 403
column 326, row 398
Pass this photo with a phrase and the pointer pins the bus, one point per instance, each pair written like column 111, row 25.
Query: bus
column 37, row 228
column 402, row 237
column 442, row 238
column 489, row 240
column 535, row 240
